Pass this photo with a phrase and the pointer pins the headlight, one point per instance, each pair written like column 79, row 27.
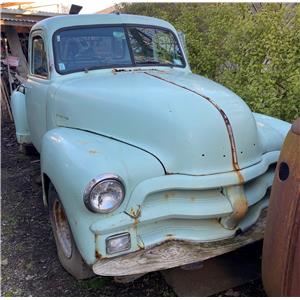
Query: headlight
column 104, row 193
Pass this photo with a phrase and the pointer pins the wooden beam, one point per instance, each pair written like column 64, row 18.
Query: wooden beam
column 16, row 50
column 19, row 29
column 5, row 101
column 10, row 4
column 16, row 23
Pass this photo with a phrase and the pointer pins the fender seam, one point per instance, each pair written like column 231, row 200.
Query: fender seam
column 123, row 142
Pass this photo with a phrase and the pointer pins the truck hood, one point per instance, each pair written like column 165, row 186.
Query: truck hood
column 191, row 124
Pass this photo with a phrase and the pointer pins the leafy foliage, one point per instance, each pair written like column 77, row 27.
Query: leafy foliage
column 254, row 52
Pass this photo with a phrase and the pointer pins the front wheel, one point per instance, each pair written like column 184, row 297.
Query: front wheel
column 67, row 251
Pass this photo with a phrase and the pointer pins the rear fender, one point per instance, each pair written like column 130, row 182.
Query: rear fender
column 18, row 106
column 71, row 158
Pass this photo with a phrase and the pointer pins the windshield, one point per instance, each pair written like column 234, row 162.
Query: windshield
column 87, row 48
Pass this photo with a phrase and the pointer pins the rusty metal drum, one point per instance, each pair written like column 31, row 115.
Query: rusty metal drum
column 281, row 250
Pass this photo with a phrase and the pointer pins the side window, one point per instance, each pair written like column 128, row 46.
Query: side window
column 39, row 64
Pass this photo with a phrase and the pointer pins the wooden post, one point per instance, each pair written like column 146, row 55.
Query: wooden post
column 8, row 68
column 16, row 49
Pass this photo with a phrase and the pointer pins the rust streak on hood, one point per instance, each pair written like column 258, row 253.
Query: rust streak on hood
column 226, row 121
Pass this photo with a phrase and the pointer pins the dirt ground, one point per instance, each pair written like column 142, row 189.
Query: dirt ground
column 29, row 264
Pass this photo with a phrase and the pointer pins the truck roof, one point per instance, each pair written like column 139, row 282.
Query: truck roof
column 54, row 23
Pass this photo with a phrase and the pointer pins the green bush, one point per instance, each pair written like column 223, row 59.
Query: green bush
column 254, row 53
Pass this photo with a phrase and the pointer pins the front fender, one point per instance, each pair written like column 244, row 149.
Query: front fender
column 72, row 158
column 272, row 132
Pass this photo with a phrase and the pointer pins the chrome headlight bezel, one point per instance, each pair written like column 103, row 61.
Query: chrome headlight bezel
column 93, row 183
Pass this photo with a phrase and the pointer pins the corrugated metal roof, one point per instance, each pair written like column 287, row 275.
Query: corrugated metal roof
column 27, row 12
column 19, row 20
column 25, row 18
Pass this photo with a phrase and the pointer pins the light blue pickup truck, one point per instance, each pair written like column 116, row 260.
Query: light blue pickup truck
column 142, row 161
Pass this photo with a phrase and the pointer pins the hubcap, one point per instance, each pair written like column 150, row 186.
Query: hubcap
column 62, row 229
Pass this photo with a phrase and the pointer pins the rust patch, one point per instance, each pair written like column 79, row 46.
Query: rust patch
column 239, row 205
column 170, row 237
column 168, row 195
column 141, row 247
column 240, row 177
column 56, row 209
column 115, row 70
column 135, row 214
column 226, row 121
column 59, row 213
column 240, row 208
column 98, row 255
column 62, row 215
column 97, row 252
column 135, row 222
column 193, row 198
column 93, row 151
column 140, row 243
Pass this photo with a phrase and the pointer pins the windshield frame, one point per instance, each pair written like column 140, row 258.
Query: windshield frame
column 116, row 66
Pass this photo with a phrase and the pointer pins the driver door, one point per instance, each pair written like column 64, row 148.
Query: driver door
column 37, row 87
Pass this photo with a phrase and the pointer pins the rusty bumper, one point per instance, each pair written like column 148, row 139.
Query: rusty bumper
column 174, row 253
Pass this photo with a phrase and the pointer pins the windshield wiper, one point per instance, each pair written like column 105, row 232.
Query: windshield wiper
column 148, row 62
column 152, row 62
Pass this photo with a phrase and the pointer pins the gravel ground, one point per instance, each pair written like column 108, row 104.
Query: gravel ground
column 29, row 264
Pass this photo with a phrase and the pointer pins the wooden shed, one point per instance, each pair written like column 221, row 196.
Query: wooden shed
column 15, row 27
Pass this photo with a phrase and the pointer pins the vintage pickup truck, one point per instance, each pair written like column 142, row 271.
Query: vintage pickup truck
column 142, row 161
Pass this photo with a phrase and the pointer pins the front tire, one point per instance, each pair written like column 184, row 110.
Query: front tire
column 67, row 250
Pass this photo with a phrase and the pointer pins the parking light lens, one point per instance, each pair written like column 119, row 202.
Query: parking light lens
column 118, row 243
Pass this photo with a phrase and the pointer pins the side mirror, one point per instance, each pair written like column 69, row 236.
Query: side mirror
column 182, row 40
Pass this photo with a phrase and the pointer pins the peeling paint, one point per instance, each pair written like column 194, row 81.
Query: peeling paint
column 135, row 214
column 140, row 243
